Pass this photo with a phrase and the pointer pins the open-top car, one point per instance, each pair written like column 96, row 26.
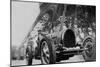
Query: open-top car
column 62, row 31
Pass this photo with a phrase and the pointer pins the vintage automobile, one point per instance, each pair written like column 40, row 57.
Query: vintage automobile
column 59, row 36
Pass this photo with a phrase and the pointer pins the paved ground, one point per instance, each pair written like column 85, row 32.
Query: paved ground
column 76, row 58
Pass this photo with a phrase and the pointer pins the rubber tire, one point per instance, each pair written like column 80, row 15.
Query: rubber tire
column 52, row 59
column 93, row 56
column 29, row 58
column 29, row 61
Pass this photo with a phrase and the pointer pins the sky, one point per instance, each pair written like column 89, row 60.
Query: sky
column 22, row 17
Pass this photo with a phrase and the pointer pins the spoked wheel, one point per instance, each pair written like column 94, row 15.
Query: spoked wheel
column 45, row 54
column 48, row 55
column 90, row 53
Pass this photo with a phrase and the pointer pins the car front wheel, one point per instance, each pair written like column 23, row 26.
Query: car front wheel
column 90, row 53
column 48, row 55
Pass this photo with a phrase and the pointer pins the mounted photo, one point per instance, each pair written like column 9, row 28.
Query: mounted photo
column 44, row 33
